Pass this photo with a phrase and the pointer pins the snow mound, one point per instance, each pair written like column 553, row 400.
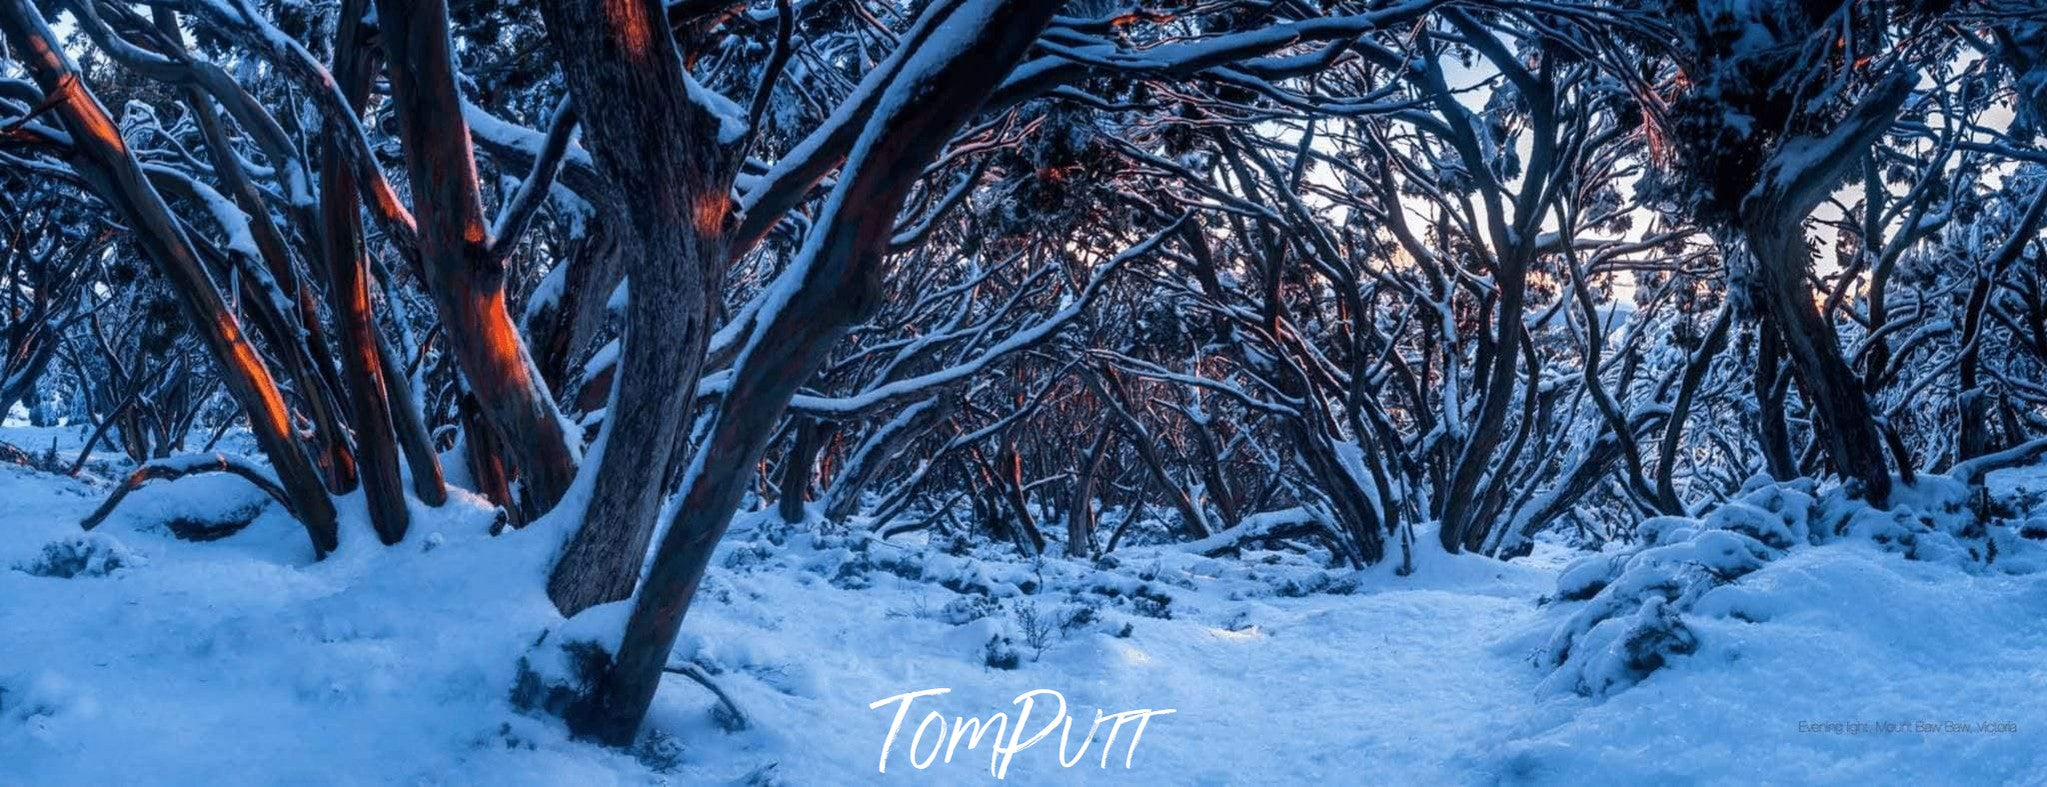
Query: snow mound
column 1635, row 607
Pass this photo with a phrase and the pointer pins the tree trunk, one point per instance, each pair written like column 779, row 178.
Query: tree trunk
column 1486, row 433
column 428, row 484
column 940, row 85
column 667, row 165
column 1832, row 389
column 348, row 286
column 486, row 460
column 1773, row 434
column 797, row 468
column 1080, row 513
column 1673, row 430
column 464, row 275
column 1010, row 481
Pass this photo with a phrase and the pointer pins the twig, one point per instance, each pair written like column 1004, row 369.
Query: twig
column 739, row 720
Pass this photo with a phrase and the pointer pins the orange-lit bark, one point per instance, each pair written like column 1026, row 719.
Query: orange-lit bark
column 298, row 340
column 348, row 286
column 329, row 441
column 466, row 279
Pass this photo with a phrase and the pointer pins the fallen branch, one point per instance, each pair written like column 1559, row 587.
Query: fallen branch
column 734, row 719
column 179, row 467
column 1267, row 526
column 1972, row 472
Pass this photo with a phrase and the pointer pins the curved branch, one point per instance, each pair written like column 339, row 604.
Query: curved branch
column 176, row 468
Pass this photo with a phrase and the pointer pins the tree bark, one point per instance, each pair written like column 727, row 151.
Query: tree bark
column 797, row 468
column 428, row 483
column 1773, row 434
column 1847, row 427
column 464, row 274
column 1080, row 513
column 940, row 85
column 348, row 285
column 662, row 152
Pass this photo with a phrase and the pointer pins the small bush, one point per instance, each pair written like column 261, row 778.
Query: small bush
column 659, row 751
column 1001, row 653
column 1037, row 627
column 555, row 693
column 967, row 609
column 88, row 555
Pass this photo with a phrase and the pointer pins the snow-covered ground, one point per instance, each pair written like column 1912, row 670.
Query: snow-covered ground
column 241, row 661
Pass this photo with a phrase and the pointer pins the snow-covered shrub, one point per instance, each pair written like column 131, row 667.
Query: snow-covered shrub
column 659, row 751
column 768, row 775
column 1631, row 619
column 1621, row 651
column 83, row 555
column 1151, row 603
column 1079, row 615
column 1000, row 653
column 1036, row 626
column 966, row 609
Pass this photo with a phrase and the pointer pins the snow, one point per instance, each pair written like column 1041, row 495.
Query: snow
column 731, row 119
column 1833, row 637
column 162, row 661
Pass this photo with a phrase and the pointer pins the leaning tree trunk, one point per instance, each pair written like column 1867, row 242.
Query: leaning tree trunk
column 1845, row 423
column 836, row 283
column 103, row 158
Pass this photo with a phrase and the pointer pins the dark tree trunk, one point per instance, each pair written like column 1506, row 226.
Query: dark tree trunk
column 428, row 484
column 1010, row 481
column 1831, row 388
column 1973, row 439
column 1080, row 513
column 797, row 468
column 661, row 152
column 348, row 286
column 486, row 460
column 1773, row 434
column 1673, row 430
column 940, row 86
column 1356, row 514
column 563, row 333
